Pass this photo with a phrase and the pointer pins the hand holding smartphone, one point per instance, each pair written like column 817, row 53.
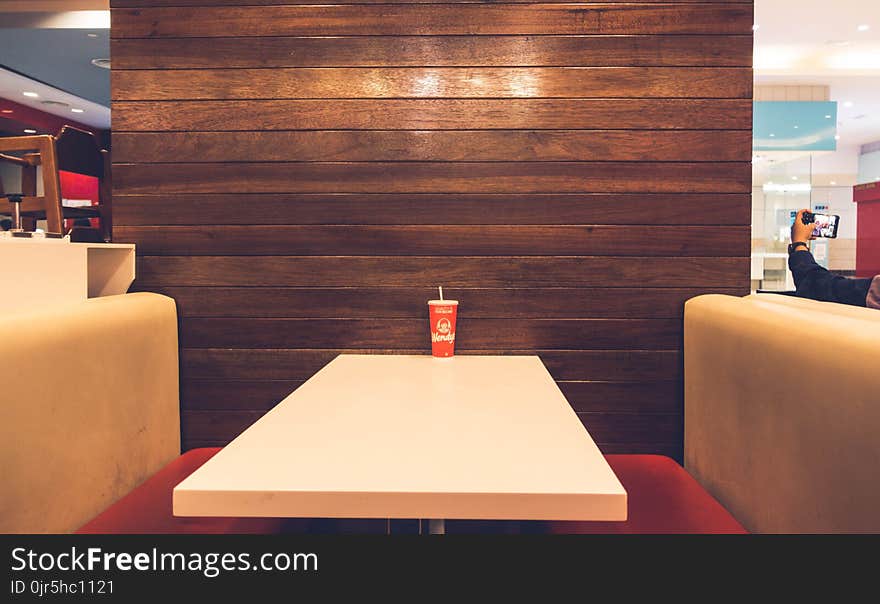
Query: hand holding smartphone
column 825, row 224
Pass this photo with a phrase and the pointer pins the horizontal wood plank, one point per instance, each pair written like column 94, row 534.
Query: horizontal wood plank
column 606, row 397
column 471, row 334
column 612, row 428
column 669, row 449
column 156, row 3
column 434, row 177
column 630, row 397
column 433, row 19
column 438, row 240
column 432, row 82
column 622, row 428
column 238, row 395
column 426, row 208
column 432, row 114
column 415, row 271
column 300, row 364
column 436, row 145
column 409, row 302
column 433, row 51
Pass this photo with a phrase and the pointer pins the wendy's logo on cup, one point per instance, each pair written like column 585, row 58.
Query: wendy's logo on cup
column 442, row 323
column 444, row 326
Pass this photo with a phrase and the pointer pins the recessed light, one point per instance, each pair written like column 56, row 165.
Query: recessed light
column 794, row 177
column 29, row 131
column 31, row 95
column 833, row 182
column 772, row 135
column 848, row 104
column 827, row 117
column 6, row 111
column 863, row 27
column 75, row 110
column 837, row 137
column 92, row 35
column 796, row 127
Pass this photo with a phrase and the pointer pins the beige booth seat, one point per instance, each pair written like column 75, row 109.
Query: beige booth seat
column 88, row 407
column 782, row 411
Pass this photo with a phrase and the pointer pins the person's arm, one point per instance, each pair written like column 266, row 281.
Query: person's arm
column 815, row 282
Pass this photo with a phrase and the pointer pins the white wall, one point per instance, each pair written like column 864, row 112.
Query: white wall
column 869, row 167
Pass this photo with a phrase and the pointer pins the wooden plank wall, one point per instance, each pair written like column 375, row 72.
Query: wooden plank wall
column 301, row 177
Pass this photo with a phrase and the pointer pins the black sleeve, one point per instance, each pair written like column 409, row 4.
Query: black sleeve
column 814, row 282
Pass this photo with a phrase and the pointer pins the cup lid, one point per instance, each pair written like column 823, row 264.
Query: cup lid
column 437, row 302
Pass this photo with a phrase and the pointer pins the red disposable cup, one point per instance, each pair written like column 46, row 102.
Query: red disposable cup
column 442, row 315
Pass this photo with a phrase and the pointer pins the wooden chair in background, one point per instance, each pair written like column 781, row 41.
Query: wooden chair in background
column 36, row 151
column 71, row 150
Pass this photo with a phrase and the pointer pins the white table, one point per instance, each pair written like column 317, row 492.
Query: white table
column 392, row 436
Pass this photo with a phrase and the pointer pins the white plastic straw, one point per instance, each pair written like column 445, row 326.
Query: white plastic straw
column 440, row 287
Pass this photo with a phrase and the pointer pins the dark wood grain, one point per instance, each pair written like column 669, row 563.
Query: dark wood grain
column 297, row 365
column 434, row 19
column 239, row 395
column 434, row 51
column 613, row 428
column 630, row 397
column 409, row 302
column 426, row 208
column 433, row 82
column 432, row 114
column 300, row 177
column 471, row 334
column 584, row 396
column 155, row 3
column 439, row 240
column 415, row 271
column 433, row 145
column 434, row 177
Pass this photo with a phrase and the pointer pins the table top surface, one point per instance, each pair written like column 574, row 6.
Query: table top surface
column 394, row 436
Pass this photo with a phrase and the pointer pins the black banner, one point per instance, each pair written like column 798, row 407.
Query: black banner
column 254, row 568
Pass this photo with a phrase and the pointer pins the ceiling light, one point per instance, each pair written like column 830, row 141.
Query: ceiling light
column 827, row 117
column 796, row 127
column 833, row 182
column 75, row 110
column 848, row 104
column 29, row 131
column 772, row 135
column 102, row 63
column 801, row 187
column 6, row 111
column 92, row 35
column 794, row 177
column 863, row 27
column 837, row 137
column 31, row 95
column 756, row 27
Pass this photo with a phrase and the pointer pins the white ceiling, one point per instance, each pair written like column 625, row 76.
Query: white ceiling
column 819, row 42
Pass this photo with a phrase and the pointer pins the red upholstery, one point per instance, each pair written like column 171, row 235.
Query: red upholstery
column 147, row 509
column 662, row 498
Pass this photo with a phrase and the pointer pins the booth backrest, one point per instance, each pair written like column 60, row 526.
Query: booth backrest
column 782, row 411
column 88, row 407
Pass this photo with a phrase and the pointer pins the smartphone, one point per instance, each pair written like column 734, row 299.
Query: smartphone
column 826, row 224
